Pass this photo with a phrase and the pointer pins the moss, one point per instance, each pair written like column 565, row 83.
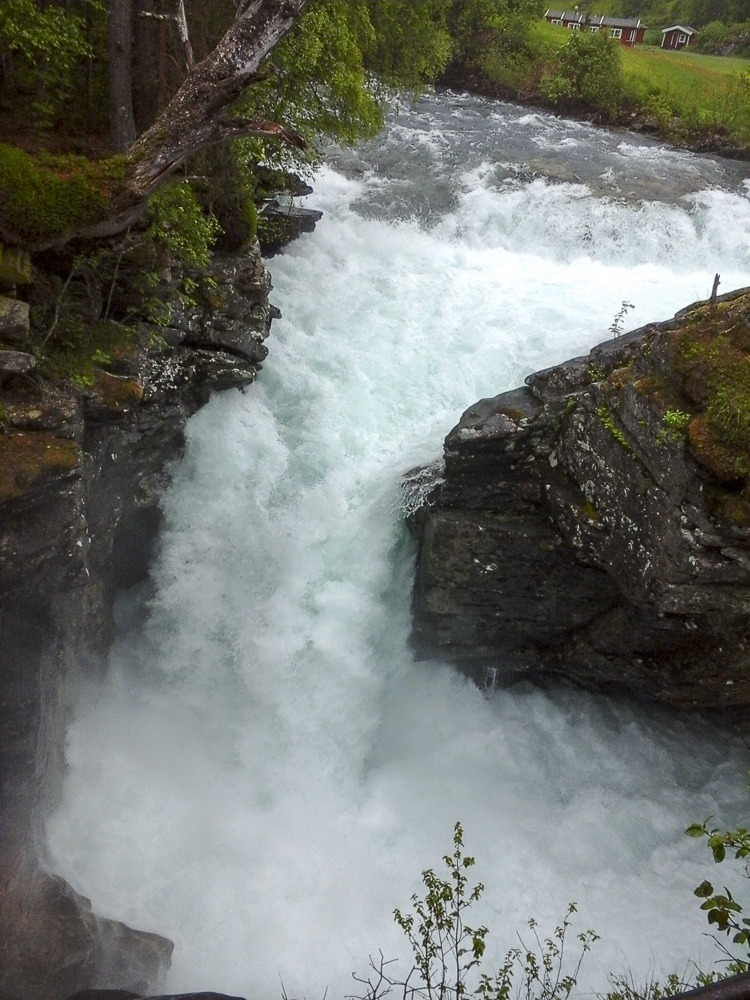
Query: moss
column 620, row 376
column 117, row 392
column 46, row 195
column 26, row 456
column 589, row 511
column 606, row 418
column 729, row 464
column 711, row 356
column 15, row 267
column 78, row 349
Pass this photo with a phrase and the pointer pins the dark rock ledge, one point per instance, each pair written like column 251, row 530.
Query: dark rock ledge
column 81, row 472
column 594, row 525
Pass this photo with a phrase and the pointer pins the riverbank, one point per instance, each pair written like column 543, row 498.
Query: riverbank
column 694, row 102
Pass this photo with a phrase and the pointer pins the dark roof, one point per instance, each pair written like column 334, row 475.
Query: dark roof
column 678, row 27
column 595, row 19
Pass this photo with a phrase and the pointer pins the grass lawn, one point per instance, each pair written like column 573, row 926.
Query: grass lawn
column 687, row 93
column 703, row 90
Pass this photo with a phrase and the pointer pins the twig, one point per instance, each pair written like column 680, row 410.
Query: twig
column 180, row 20
column 114, row 277
column 60, row 298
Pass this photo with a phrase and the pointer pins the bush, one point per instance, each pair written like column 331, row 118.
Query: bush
column 179, row 226
column 588, row 70
column 447, row 953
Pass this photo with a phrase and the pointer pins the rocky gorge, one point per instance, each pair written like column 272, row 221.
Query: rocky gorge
column 81, row 472
column 594, row 524
column 281, row 690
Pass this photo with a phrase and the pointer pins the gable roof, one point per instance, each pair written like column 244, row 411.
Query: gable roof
column 595, row 20
column 678, row 27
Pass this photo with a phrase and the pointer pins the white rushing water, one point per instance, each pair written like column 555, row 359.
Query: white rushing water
column 267, row 771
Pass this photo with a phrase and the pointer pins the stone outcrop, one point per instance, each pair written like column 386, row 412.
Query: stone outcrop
column 81, row 471
column 594, row 525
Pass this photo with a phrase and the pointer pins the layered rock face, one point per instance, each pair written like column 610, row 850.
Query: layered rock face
column 594, row 525
column 81, row 471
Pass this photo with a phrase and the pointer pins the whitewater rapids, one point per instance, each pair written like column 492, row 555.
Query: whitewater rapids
column 266, row 770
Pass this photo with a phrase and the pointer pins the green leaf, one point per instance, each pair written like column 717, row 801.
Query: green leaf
column 695, row 830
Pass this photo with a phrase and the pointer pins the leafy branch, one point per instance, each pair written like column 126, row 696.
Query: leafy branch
column 447, row 952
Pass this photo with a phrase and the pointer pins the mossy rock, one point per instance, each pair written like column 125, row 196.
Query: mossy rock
column 24, row 457
column 47, row 196
column 117, row 392
column 711, row 363
column 15, row 267
column 14, row 320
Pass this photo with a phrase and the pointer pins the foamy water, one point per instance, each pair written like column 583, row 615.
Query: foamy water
column 267, row 771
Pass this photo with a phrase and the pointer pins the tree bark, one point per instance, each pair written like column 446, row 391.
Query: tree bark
column 199, row 115
column 196, row 116
column 146, row 64
column 119, row 54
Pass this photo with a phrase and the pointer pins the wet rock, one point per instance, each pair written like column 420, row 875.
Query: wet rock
column 15, row 363
column 14, row 320
column 580, row 530
column 54, row 941
column 279, row 225
column 15, row 267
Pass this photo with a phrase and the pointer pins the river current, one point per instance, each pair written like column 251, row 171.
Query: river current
column 266, row 770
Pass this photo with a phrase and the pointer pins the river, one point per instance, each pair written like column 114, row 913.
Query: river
column 266, row 770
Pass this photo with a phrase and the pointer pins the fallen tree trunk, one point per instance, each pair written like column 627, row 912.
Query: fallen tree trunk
column 199, row 115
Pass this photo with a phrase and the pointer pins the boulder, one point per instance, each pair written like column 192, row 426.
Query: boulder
column 14, row 320
column 594, row 525
column 15, row 363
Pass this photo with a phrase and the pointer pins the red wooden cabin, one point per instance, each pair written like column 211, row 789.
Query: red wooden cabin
column 627, row 30
column 677, row 37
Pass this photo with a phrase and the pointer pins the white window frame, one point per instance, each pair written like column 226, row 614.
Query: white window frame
column 556, row 21
column 682, row 40
column 574, row 26
column 615, row 32
column 594, row 29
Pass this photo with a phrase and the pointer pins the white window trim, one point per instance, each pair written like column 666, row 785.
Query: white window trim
column 682, row 39
column 574, row 26
column 615, row 32
column 554, row 21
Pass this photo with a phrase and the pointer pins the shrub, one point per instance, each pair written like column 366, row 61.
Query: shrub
column 447, row 952
column 588, row 70
column 178, row 225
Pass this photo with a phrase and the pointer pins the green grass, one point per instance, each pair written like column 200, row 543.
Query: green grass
column 688, row 92
column 686, row 95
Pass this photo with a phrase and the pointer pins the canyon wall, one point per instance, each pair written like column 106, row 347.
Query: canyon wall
column 81, row 472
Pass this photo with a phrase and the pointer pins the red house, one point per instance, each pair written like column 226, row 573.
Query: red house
column 677, row 37
column 628, row 30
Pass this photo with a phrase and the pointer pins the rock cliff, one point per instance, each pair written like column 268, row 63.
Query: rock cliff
column 81, row 470
column 594, row 525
